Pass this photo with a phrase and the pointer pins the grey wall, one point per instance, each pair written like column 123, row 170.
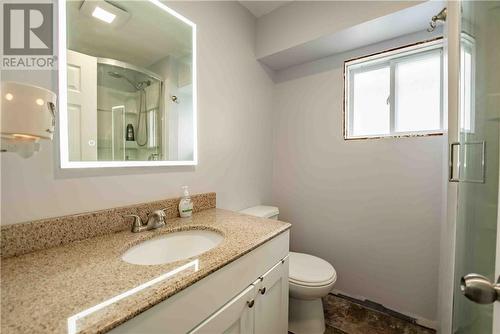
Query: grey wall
column 372, row 208
column 234, row 135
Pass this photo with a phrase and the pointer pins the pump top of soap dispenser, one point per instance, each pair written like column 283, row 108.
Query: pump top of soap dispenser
column 185, row 191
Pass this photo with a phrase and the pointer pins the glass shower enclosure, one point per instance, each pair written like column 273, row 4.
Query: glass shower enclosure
column 129, row 112
column 477, row 154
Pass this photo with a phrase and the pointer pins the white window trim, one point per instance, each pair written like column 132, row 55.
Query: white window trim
column 389, row 59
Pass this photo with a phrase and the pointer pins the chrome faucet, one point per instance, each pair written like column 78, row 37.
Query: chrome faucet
column 156, row 219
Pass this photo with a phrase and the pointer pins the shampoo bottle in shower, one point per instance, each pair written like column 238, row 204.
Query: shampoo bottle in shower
column 185, row 205
column 130, row 133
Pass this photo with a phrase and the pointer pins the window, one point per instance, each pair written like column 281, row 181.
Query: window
column 395, row 93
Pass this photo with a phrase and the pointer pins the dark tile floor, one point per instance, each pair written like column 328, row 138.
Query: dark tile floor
column 332, row 330
column 343, row 316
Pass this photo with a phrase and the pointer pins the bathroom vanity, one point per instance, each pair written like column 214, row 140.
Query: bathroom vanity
column 87, row 286
column 249, row 295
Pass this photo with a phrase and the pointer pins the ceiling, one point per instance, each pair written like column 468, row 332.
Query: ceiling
column 261, row 8
column 414, row 19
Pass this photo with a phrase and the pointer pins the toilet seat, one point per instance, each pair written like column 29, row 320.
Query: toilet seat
column 310, row 271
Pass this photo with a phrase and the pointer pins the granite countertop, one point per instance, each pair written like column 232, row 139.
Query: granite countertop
column 85, row 287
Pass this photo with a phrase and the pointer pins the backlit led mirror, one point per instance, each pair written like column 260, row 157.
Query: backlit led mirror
column 127, row 83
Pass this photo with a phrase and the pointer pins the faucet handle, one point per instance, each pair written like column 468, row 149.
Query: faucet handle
column 137, row 224
column 160, row 213
column 156, row 219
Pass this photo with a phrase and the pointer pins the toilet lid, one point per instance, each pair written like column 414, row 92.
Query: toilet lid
column 309, row 270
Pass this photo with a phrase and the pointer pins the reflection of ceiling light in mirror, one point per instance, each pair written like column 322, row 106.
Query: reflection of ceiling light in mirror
column 39, row 102
column 9, row 96
column 103, row 15
column 104, row 11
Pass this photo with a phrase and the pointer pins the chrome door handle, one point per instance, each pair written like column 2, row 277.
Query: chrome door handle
column 451, row 167
column 479, row 289
column 461, row 164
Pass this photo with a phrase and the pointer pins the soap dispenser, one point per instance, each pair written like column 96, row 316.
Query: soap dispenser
column 185, row 205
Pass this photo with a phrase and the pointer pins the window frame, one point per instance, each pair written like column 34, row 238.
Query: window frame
column 390, row 58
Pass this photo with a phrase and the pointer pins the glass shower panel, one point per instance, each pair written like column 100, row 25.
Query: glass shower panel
column 118, row 129
column 478, row 160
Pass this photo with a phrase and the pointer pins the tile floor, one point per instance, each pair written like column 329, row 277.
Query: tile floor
column 343, row 316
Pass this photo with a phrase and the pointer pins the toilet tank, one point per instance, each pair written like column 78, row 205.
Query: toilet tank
column 263, row 211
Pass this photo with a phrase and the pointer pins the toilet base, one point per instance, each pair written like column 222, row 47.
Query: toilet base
column 306, row 316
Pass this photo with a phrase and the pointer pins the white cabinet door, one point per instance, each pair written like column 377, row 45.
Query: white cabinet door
column 82, row 106
column 271, row 303
column 236, row 317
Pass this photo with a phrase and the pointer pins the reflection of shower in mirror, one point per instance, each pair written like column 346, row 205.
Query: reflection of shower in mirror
column 140, row 85
column 139, row 93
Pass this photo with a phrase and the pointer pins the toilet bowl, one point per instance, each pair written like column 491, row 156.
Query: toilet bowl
column 310, row 279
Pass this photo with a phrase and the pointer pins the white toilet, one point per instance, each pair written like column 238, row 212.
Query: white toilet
column 310, row 279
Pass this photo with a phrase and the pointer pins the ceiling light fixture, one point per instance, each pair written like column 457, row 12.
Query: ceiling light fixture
column 103, row 15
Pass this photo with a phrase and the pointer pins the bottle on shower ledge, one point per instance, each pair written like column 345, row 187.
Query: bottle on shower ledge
column 130, row 133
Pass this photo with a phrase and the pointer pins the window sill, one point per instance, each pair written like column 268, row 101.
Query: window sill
column 395, row 136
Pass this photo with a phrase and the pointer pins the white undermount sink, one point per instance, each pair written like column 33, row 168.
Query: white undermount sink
column 172, row 247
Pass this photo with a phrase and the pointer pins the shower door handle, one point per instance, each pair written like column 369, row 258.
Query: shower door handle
column 459, row 164
column 479, row 289
column 451, row 177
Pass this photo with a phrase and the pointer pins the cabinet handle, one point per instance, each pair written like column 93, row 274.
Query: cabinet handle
column 262, row 291
column 250, row 303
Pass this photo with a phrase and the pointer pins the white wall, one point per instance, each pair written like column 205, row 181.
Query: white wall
column 235, row 158
column 302, row 21
column 372, row 208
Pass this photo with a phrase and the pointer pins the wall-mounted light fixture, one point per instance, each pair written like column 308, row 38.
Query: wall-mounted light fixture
column 28, row 115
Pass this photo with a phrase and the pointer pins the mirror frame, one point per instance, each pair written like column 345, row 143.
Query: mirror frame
column 65, row 163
